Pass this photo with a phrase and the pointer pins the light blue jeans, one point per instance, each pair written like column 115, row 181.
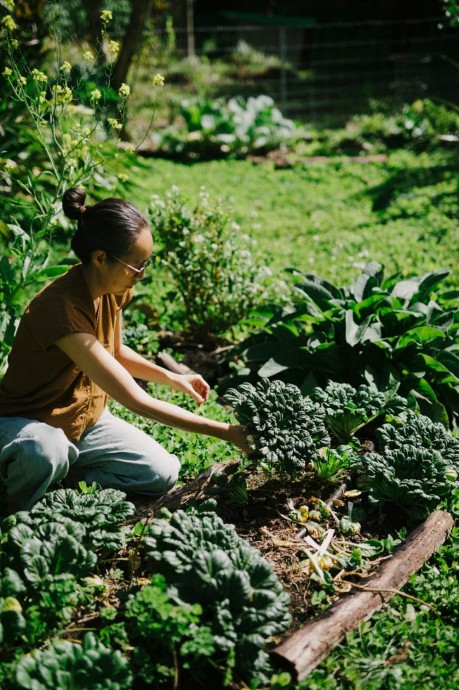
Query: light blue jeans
column 113, row 453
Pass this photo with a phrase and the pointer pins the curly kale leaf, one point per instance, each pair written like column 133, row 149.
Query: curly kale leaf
column 242, row 601
column 422, row 432
column 414, row 479
column 101, row 514
column 288, row 429
column 348, row 409
column 71, row 666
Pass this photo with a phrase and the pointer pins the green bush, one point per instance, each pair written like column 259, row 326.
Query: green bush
column 386, row 332
column 211, row 262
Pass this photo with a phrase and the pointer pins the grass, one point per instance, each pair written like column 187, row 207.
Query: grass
column 328, row 217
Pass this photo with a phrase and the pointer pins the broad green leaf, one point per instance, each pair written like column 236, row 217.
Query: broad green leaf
column 420, row 334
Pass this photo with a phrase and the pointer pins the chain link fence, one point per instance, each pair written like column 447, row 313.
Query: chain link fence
column 312, row 70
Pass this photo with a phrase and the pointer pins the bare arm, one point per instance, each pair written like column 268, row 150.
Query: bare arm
column 99, row 365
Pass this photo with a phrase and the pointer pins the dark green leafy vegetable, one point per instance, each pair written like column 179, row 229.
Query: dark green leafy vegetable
column 101, row 515
column 412, row 478
column 67, row 665
column 242, row 601
column 348, row 409
column 420, row 431
column 288, row 429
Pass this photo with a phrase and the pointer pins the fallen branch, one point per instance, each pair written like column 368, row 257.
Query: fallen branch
column 302, row 652
column 179, row 496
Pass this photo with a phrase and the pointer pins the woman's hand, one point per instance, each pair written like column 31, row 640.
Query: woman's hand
column 194, row 385
column 239, row 436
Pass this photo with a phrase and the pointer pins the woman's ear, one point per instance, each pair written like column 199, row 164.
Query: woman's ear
column 98, row 258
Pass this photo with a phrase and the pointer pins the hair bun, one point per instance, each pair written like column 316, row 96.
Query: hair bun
column 73, row 203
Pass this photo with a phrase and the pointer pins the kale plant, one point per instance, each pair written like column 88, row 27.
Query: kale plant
column 288, row 429
column 420, row 431
column 416, row 466
column 100, row 514
column 414, row 479
column 72, row 666
column 348, row 409
column 242, row 601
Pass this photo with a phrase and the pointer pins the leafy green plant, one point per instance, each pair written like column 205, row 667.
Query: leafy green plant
column 348, row 409
column 167, row 635
column 209, row 564
column 419, row 431
column 416, row 466
column 330, row 464
column 100, row 515
column 219, row 129
column 288, row 430
column 211, row 263
column 389, row 333
column 73, row 666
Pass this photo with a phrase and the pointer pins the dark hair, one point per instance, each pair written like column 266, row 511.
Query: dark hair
column 112, row 224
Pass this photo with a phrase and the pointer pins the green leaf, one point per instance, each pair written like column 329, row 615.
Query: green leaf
column 421, row 335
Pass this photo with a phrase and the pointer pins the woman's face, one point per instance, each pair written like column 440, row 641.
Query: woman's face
column 120, row 274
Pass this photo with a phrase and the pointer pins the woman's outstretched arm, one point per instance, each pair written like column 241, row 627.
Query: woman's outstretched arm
column 109, row 374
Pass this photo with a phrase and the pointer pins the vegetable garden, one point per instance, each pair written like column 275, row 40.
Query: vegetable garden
column 316, row 291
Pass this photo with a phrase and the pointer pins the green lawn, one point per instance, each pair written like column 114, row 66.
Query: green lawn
column 327, row 217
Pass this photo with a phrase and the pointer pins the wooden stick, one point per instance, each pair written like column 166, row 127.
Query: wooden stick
column 306, row 648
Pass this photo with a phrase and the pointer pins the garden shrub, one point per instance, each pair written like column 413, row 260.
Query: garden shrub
column 211, row 263
column 242, row 601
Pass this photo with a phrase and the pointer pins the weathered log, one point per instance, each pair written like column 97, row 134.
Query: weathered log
column 170, row 363
column 304, row 650
column 179, row 496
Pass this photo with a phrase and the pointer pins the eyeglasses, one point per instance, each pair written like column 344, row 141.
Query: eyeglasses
column 145, row 265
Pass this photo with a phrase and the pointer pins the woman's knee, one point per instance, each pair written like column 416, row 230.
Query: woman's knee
column 34, row 458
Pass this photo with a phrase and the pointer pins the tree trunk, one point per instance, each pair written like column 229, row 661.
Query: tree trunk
column 93, row 9
column 302, row 652
column 141, row 12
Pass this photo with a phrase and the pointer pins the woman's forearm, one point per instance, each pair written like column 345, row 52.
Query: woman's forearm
column 141, row 368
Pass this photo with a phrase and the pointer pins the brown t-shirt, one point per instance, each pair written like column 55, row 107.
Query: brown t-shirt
column 41, row 382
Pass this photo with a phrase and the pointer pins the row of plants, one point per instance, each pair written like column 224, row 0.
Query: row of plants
column 209, row 607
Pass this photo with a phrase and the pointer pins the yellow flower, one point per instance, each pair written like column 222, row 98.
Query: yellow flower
column 114, row 123
column 9, row 23
column 158, row 80
column 96, row 95
column 9, row 4
column 62, row 93
column 88, row 56
column 39, row 76
column 66, row 67
column 7, row 71
column 124, row 90
column 113, row 48
column 22, row 81
column 106, row 16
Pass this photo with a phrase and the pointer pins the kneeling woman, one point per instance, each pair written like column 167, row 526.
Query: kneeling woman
column 68, row 358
